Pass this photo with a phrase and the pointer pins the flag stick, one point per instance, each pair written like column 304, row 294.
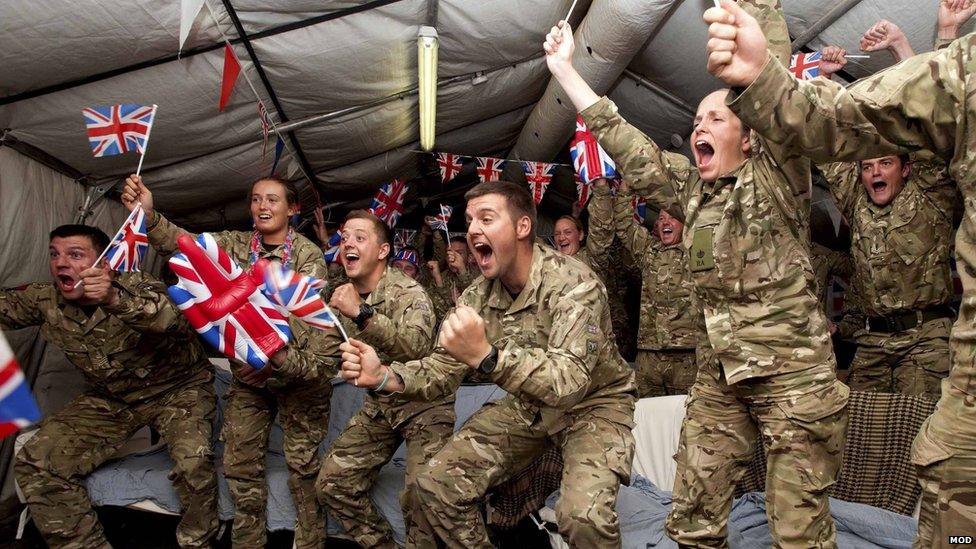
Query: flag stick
column 146, row 146
column 447, row 235
column 117, row 233
column 857, row 56
column 717, row 5
column 571, row 8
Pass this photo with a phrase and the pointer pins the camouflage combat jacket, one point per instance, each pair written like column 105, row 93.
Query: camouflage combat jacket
column 900, row 251
column 556, row 353
column 402, row 328
column 927, row 102
column 668, row 318
column 313, row 355
column 137, row 349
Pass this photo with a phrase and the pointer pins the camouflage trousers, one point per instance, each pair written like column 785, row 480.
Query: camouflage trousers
column 303, row 412
column 51, row 468
column 946, row 462
column 661, row 373
column 355, row 460
column 804, row 427
column 498, row 442
column 913, row 362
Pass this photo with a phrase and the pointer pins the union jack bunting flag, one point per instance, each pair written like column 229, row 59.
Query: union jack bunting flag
column 805, row 66
column 582, row 191
column 118, row 129
column 640, row 208
column 450, row 165
column 489, row 169
column 226, row 305
column 589, row 159
column 539, row 175
column 130, row 244
column 299, row 295
column 388, row 202
column 18, row 409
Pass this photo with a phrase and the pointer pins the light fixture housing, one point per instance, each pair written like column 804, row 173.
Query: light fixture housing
column 427, row 84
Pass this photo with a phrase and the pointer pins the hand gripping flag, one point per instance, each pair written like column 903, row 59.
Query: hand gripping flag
column 589, row 159
column 332, row 254
column 388, row 202
column 129, row 246
column 118, row 129
column 805, row 66
column 299, row 295
column 17, row 406
column 489, row 169
column 539, row 176
column 225, row 304
column 449, row 165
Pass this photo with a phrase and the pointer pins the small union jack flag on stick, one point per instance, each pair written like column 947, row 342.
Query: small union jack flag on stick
column 118, row 129
column 299, row 295
column 130, row 243
column 388, row 202
column 18, row 409
column 805, row 66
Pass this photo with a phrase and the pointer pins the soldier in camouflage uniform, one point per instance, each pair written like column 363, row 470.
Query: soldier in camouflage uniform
column 450, row 273
column 537, row 323
column 924, row 103
column 298, row 390
column 144, row 366
column 766, row 366
column 668, row 327
column 900, row 209
column 390, row 311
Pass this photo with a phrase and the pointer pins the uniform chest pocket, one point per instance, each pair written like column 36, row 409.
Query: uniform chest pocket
column 911, row 236
column 712, row 258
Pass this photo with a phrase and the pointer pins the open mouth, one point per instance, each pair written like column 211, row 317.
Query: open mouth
column 483, row 252
column 264, row 217
column 350, row 259
column 563, row 246
column 879, row 186
column 705, row 152
column 66, row 282
column 667, row 230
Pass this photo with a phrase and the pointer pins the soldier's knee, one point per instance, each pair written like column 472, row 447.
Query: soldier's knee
column 429, row 492
column 581, row 518
column 329, row 483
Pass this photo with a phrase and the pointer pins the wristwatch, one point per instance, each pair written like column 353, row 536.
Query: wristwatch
column 365, row 313
column 488, row 363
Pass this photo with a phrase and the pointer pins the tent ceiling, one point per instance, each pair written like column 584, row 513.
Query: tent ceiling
column 326, row 56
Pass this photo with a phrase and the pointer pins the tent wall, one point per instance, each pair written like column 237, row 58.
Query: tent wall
column 33, row 200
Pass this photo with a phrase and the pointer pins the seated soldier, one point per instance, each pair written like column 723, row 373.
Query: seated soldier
column 537, row 323
column 667, row 332
column 144, row 366
column 382, row 306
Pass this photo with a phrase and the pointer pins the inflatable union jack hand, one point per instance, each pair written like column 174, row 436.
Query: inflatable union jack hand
column 226, row 305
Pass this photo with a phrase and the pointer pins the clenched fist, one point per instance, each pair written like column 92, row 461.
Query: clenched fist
column 463, row 336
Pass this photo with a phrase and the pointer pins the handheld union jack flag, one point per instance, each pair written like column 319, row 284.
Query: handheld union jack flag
column 299, row 295
column 450, row 165
column 118, row 129
column 589, row 159
column 226, row 305
column 388, row 202
column 332, row 254
column 640, row 208
column 539, row 175
column 805, row 66
column 130, row 244
column 402, row 238
column 489, row 169
column 582, row 191
column 439, row 222
column 18, row 409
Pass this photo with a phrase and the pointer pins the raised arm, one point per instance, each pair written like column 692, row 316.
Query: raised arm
column 600, row 234
column 634, row 236
column 953, row 14
column 885, row 35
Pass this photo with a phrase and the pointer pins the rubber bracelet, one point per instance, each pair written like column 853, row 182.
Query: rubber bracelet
column 386, row 377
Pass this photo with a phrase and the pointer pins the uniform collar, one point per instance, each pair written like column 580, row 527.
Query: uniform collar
column 499, row 298
column 378, row 295
column 75, row 314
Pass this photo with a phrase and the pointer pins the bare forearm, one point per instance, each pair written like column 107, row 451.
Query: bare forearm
column 580, row 93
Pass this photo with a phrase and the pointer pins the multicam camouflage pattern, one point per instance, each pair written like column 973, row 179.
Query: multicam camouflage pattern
column 901, row 264
column 299, row 391
column 144, row 366
column 828, row 263
column 661, row 373
column 802, row 419
column 566, row 382
column 927, row 102
column 402, row 328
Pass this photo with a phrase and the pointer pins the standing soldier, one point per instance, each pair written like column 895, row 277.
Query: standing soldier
column 391, row 312
column 667, row 332
column 537, row 323
column 296, row 383
column 765, row 362
column 924, row 103
column 144, row 366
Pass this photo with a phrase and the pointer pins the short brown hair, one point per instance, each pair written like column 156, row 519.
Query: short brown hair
column 291, row 190
column 574, row 220
column 516, row 196
column 382, row 230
